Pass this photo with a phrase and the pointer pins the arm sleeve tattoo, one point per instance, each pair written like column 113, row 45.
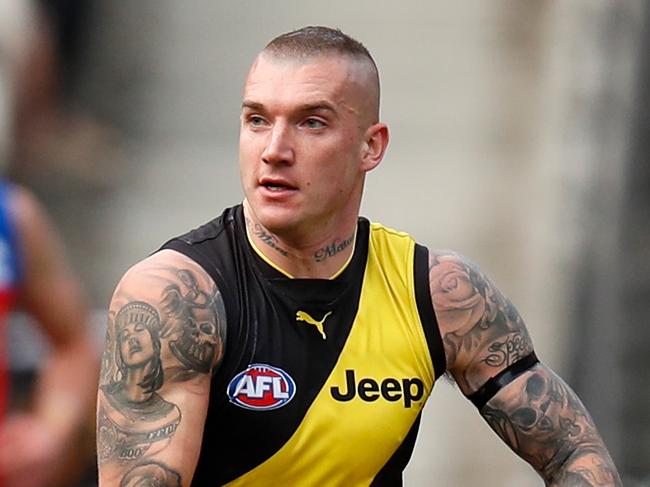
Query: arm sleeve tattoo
column 165, row 336
column 544, row 422
column 490, row 356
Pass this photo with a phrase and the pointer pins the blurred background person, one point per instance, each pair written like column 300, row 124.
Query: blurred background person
column 35, row 441
column 57, row 136
column 46, row 405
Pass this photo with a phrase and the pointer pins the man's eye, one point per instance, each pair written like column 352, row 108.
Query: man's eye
column 314, row 123
column 256, row 121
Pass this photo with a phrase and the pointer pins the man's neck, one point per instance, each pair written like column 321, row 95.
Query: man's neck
column 321, row 257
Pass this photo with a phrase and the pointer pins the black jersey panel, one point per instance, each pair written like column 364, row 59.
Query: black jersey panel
column 425, row 308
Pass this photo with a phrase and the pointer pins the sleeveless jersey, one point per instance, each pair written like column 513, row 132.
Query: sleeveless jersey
column 323, row 380
column 9, row 281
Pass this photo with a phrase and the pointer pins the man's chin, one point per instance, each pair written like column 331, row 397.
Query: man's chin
column 275, row 218
column 278, row 224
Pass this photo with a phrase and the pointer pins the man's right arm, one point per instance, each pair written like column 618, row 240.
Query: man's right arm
column 165, row 337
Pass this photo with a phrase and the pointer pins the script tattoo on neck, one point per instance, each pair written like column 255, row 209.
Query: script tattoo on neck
column 268, row 239
column 333, row 248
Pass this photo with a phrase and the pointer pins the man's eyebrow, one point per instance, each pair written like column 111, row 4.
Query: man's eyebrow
column 317, row 106
column 307, row 107
column 252, row 105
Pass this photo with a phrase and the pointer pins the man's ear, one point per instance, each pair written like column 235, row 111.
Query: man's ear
column 374, row 146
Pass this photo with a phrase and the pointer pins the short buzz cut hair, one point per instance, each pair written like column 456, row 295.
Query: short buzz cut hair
column 317, row 40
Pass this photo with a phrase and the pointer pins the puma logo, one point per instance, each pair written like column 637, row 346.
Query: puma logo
column 303, row 316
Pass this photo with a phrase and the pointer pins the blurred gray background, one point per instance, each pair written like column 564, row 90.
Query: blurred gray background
column 519, row 137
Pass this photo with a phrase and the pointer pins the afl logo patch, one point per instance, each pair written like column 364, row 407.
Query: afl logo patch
column 261, row 387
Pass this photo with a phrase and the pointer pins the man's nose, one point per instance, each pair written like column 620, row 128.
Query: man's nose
column 279, row 147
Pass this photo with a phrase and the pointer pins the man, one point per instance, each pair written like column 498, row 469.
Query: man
column 34, row 276
column 330, row 331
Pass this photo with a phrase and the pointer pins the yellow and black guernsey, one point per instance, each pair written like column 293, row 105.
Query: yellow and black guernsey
column 323, row 380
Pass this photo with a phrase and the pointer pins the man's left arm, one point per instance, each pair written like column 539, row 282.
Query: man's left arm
column 490, row 356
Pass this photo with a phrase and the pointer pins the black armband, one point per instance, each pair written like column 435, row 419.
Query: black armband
column 502, row 379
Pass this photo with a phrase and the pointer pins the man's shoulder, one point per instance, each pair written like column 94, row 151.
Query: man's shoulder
column 163, row 259
column 186, row 250
column 376, row 227
column 382, row 234
column 212, row 246
column 150, row 278
column 444, row 257
column 436, row 255
column 209, row 230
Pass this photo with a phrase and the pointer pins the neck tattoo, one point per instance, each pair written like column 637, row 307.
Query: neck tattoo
column 267, row 238
column 333, row 248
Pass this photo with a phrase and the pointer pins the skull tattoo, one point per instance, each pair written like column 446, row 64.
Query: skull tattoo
column 195, row 314
column 197, row 346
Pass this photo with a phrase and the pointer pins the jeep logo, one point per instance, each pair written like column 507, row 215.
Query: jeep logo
column 369, row 390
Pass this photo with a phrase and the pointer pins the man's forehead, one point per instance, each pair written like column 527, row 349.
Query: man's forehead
column 338, row 74
column 347, row 67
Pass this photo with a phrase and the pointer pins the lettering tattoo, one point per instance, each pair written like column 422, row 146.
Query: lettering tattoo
column 330, row 250
column 503, row 353
column 177, row 336
column 151, row 474
column 268, row 239
column 545, row 423
column 333, row 248
column 114, row 442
